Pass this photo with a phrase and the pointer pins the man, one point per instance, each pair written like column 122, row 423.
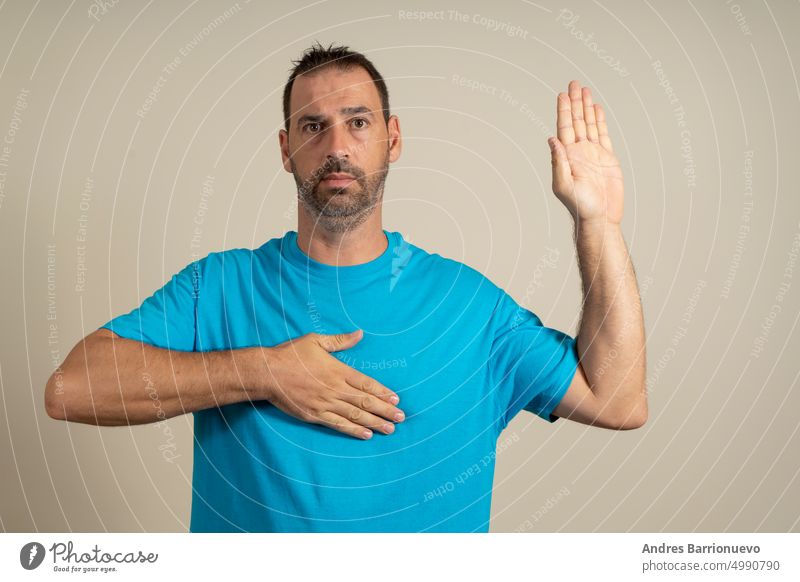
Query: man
column 343, row 379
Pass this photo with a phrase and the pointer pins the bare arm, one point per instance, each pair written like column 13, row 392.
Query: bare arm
column 608, row 389
column 108, row 380
column 611, row 341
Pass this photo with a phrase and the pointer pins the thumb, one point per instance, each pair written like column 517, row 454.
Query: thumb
column 562, row 173
column 340, row 341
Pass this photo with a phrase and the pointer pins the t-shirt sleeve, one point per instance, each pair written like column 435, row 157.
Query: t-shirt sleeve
column 531, row 366
column 168, row 318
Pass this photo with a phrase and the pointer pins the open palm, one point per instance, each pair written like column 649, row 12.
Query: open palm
column 587, row 176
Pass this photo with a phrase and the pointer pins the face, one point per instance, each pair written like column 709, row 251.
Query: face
column 337, row 127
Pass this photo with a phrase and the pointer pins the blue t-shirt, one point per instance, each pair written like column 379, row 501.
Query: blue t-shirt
column 462, row 355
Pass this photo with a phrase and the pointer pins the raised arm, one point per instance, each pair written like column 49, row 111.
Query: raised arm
column 608, row 389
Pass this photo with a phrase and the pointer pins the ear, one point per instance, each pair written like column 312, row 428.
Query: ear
column 395, row 138
column 283, row 142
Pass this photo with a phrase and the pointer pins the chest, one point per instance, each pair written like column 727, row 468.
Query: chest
column 431, row 352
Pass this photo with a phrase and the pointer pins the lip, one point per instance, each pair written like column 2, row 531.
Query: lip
column 338, row 179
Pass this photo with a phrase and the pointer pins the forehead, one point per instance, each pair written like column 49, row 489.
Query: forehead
column 330, row 89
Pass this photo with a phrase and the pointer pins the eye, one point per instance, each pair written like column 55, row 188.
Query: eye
column 357, row 119
column 307, row 125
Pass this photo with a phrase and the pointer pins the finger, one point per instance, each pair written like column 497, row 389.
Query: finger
column 371, row 386
column 338, row 423
column 566, row 134
column 360, row 416
column 602, row 128
column 339, row 341
column 589, row 117
column 373, row 404
column 576, row 107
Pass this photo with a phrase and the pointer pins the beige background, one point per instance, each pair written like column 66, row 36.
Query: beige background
column 720, row 451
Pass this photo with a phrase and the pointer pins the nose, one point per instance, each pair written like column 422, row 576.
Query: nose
column 337, row 141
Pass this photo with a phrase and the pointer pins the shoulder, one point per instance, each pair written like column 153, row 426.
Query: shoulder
column 215, row 261
column 217, row 267
column 240, row 257
column 227, row 259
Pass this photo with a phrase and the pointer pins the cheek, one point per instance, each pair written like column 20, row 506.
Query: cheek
column 305, row 154
column 307, row 166
column 373, row 157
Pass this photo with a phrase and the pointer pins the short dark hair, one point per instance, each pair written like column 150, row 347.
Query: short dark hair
column 317, row 58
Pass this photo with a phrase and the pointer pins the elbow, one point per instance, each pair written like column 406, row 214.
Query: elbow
column 633, row 422
column 54, row 396
column 68, row 393
column 634, row 417
column 67, row 397
column 62, row 399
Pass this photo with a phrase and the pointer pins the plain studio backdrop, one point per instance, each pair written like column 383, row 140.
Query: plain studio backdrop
column 137, row 136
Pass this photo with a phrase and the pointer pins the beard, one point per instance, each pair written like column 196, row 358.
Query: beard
column 341, row 209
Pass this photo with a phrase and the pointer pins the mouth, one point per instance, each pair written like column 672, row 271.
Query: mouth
column 338, row 180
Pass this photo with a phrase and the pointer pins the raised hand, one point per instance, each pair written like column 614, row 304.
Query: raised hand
column 587, row 176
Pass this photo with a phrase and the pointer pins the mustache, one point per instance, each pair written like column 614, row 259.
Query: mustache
column 336, row 166
column 330, row 166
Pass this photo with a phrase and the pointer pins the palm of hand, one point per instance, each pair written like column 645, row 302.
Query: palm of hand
column 587, row 176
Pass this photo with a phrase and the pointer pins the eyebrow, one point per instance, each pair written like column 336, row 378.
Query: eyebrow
column 344, row 111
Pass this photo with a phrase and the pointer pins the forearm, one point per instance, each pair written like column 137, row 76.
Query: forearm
column 611, row 341
column 116, row 381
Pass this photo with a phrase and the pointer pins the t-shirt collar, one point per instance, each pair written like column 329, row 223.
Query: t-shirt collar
column 293, row 254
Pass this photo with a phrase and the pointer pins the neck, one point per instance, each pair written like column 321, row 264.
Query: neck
column 358, row 245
